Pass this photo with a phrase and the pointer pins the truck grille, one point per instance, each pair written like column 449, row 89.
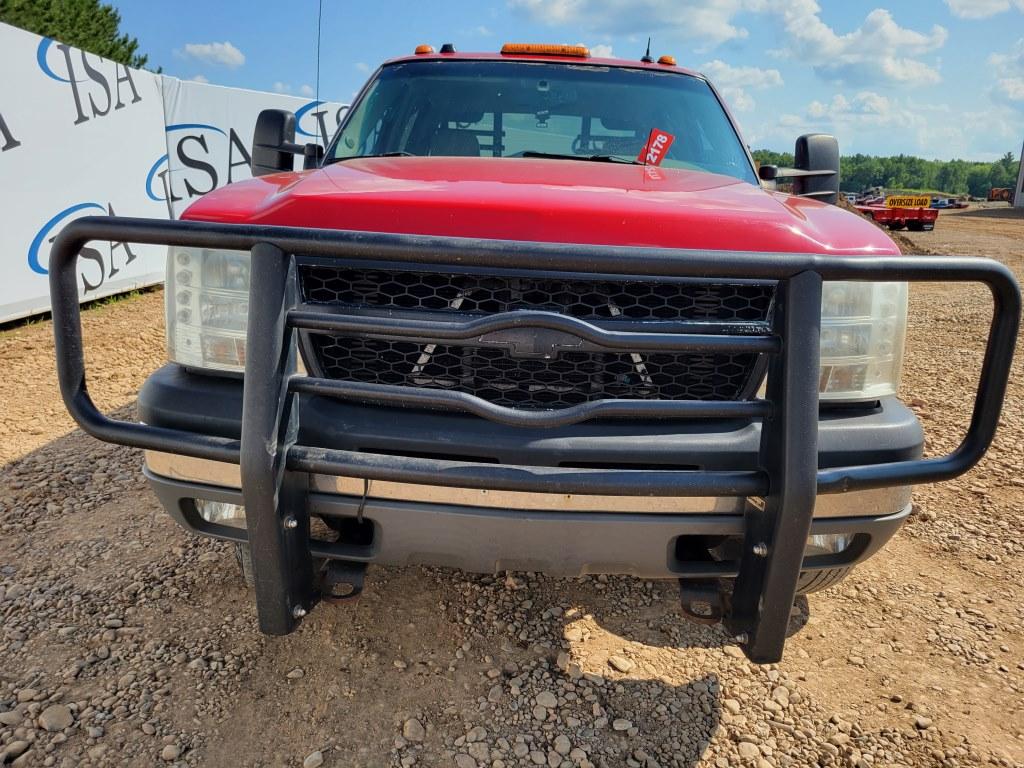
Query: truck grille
column 569, row 378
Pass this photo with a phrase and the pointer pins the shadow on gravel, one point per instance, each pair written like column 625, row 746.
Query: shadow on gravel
column 538, row 636
column 659, row 622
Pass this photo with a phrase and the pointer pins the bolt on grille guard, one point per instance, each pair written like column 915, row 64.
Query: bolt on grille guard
column 273, row 465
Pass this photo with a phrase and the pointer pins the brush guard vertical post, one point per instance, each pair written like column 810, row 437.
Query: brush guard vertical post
column 275, row 467
column 777, row 526
column 276, row 517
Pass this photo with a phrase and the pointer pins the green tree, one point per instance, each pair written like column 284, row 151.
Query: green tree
column 859, row 172
column 952, row 177
column 980, row 179
column 86, row 24
column 768, row 157
column 1004, row 171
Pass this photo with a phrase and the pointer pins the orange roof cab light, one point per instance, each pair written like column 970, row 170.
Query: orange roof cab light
column 667, row 60
column 423, row 49
column 577, row 51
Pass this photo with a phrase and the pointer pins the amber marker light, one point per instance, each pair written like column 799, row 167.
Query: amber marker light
column 578, row 51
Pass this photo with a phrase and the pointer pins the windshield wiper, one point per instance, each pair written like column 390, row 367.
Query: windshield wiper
column 591, row 158
column 331, row 160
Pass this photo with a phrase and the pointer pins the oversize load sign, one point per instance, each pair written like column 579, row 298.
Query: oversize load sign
column 908, row 201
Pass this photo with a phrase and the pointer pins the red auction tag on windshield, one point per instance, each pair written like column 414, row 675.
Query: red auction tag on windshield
column 656, row 148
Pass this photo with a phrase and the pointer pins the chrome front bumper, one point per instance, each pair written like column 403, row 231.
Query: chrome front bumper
column 869, row 503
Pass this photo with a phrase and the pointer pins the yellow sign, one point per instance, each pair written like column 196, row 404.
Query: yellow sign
column 908, row 201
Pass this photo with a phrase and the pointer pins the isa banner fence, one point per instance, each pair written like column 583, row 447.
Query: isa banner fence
column 84, row 136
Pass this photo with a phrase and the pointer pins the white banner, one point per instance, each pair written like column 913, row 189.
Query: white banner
column 79, row 135
column 83, row 136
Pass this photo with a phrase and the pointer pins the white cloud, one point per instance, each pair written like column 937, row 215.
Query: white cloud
column 1009, row 71
column 868, row 122
column 200, row 79
column 482, row 31
column 362, row 66
column 709, row 21
column 858, row 120
column 879, row 50
column 734, row 82
column 863, row 109
column 306, row 90
column 981, row 9
column 601, row 51
column 280, row 87
column 216, row 53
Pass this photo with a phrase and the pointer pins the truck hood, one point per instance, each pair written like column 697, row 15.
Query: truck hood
column 560, row 201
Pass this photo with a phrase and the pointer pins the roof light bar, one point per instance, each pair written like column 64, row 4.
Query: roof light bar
column 578, row 51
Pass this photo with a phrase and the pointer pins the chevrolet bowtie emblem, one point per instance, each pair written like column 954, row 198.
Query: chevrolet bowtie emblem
column 539, row 343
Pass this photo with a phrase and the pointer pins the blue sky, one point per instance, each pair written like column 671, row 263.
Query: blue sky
column 935, row 79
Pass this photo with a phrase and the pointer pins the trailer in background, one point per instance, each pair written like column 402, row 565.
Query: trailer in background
column 913, row 212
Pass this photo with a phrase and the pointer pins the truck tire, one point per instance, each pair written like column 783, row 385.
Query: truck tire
column 244, row 557
column 815, row 581
column 915, row 226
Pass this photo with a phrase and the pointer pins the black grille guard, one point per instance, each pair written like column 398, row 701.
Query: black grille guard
column 272, row 464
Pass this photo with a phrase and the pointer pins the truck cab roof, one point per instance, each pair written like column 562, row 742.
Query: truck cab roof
column 596, row 61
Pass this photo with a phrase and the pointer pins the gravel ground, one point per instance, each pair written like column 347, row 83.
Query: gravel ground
column 126, row 641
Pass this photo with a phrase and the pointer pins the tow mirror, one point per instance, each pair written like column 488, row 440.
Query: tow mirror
column 274, row 147
column 817, row 155
column 817, row 168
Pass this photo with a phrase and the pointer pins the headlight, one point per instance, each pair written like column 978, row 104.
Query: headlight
column 207, row 300
column 863, row 326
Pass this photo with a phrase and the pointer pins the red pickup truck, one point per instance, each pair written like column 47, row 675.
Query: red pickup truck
column 534, row 310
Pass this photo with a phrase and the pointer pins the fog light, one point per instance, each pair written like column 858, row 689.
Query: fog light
column 827, row 544
column 221, row 513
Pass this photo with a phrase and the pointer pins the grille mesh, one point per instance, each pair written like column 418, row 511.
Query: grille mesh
column 570, row 378
column 585, row 299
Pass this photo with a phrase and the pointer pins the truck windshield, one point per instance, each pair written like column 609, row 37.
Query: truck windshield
column 521, row 108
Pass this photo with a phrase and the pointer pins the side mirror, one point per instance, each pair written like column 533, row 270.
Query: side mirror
column 275, row 128
column 273, row 144
column 817, row 154
column 817, row 168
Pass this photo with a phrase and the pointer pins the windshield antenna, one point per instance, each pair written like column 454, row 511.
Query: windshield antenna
column 646, row 58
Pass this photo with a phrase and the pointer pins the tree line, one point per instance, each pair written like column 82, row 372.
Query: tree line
column 955, row 177
column 87, row 24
